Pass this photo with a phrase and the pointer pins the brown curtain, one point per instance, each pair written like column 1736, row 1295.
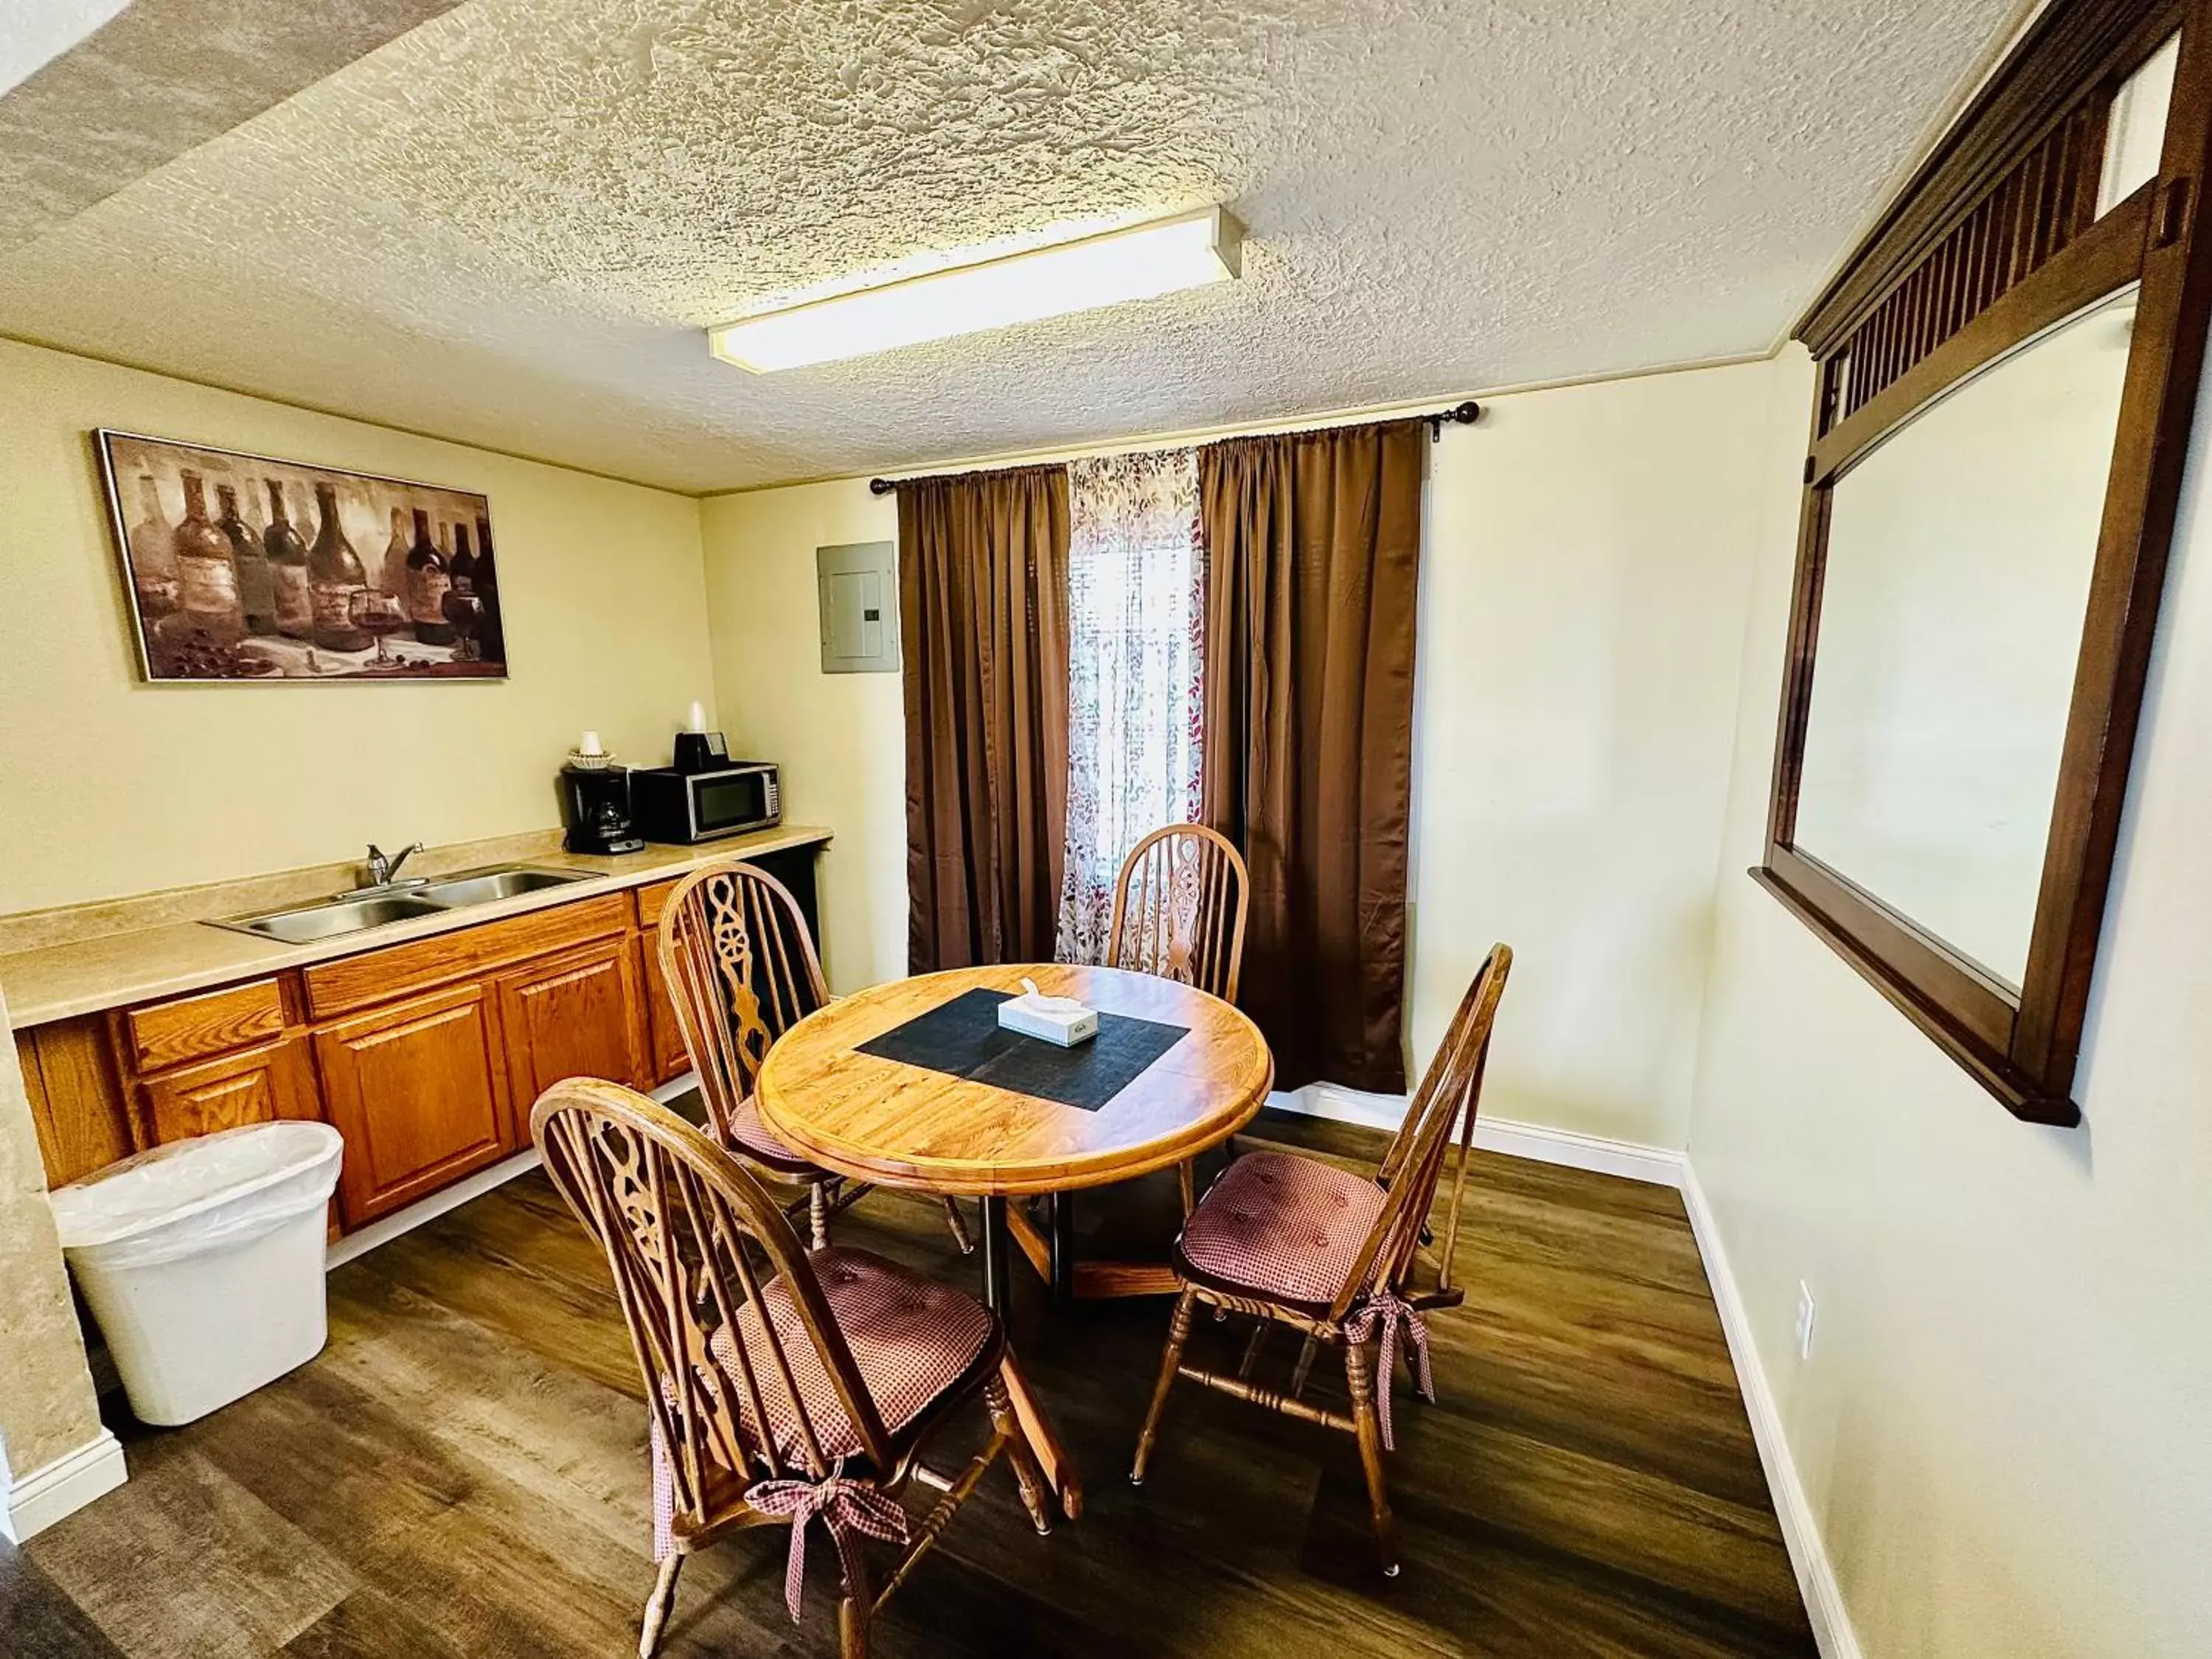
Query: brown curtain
column 983, row 611
column 1313, row 542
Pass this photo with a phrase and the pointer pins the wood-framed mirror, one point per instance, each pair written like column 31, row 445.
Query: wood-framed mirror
column 2007, row 370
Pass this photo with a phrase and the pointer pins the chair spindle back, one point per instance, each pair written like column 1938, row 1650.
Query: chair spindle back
column 741, row 972
column 1450, row 1090
column 1179, row 905
column 684, row 1227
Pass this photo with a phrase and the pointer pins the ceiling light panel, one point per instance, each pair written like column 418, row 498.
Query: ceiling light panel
column 1139, row 262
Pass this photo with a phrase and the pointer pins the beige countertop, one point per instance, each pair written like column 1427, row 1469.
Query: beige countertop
column 108, row 955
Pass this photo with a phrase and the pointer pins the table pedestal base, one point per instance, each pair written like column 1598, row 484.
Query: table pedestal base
column 1071, row 1278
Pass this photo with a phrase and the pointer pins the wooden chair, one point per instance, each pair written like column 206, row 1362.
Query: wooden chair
column 782, row 1386
column 1179, row 905
column 741, row 972
column 1298, row 1241
column 1179, row 909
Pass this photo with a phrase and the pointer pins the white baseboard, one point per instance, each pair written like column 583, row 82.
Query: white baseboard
column 1537, row 1141
column 69, row 1483
column 400, row 1222
column 451, row 1198
column 62, row 1487
column 1800, row 1531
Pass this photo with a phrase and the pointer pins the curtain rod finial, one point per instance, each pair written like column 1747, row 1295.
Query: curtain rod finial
column 1465, row 414
column 880, row 486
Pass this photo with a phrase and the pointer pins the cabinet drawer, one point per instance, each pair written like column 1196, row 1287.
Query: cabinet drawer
column 351, row 982
column 164, row 1034
column 651, row 901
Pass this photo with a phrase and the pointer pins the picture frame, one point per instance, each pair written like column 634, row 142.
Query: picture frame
column 241, row 568
column 2001, row 238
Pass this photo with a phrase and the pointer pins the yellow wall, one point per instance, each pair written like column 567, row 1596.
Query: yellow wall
column 114, row 786
column 2005, row 1427
column 1585, row 573
column 840, row 738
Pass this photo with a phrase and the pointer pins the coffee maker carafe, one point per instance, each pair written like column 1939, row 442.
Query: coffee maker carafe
column 595, row 802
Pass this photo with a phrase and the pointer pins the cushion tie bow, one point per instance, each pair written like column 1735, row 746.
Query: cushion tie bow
column 1385, row 1311
column 848, row 1509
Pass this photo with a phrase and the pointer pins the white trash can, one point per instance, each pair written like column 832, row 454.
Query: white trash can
column 202, row 1262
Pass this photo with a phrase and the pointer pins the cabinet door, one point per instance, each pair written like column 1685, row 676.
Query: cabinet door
column 255, row 1086
column 663, row 1036
column 577, row 1014
column 671, row 1059
column 418, row 1092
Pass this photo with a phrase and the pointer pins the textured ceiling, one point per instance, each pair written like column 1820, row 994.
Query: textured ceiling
column 509, row 225
column 122, row 95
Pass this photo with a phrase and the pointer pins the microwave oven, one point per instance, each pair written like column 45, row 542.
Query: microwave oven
column 683, row 807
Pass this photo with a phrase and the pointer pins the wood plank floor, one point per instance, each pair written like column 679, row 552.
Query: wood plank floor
column 463, row 1472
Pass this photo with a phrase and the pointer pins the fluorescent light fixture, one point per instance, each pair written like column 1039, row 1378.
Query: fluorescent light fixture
column 1139, row 262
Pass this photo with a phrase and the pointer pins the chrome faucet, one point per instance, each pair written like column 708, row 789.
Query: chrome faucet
column 384, row 872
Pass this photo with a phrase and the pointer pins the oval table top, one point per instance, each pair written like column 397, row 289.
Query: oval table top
column 905, row 1126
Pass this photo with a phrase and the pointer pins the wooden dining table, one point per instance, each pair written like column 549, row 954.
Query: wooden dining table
column 977, row 1131
column 898, row 1123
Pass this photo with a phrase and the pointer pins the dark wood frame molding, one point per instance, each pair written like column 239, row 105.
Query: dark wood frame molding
column 1992, row 241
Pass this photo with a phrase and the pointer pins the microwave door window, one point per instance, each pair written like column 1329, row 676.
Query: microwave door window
column 727, row 801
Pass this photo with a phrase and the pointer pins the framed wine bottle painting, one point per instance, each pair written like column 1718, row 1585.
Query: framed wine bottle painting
column 246, row 568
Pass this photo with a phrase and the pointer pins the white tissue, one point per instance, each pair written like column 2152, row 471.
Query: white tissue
column 1062, row 1020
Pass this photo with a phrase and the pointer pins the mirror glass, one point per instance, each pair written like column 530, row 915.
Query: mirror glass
column 1957, row 576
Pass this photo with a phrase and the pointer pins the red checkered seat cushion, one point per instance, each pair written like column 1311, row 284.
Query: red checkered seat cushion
column 911, row 1337
column 1281, row 1226
column 749, row 1134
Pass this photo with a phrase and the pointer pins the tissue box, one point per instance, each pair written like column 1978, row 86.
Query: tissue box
column 1066, row 1027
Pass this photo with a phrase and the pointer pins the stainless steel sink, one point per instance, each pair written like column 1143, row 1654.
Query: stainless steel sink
column 484, row 886
column 354, row 913
column 328, row 920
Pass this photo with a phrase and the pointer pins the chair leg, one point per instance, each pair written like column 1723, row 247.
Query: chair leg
column 1170, row 1356
column 1360, row 1377
column 1252, row 1347
column 817, row 1212
column 658, row 1604
column 1019, row 1453
column 855, row 1610
column 1299, row 1371
column 1187, row 1176
column 1053, row 1462
column 956, row 1225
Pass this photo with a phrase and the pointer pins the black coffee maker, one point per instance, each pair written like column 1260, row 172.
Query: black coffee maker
column 595, row 802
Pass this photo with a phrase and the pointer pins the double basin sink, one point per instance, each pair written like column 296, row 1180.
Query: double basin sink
column 405, row 901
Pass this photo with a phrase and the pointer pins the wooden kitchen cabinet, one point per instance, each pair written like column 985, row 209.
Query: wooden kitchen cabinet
column 78, row 1102
column 426, row 1055
column 579, row 1013
column 663, row 1036
column 419, row 1090
column 274, row 1080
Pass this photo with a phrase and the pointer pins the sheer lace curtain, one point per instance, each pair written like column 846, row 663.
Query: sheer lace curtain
column 1136, row 630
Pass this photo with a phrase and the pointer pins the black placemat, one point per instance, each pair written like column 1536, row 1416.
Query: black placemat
column 963, row 1038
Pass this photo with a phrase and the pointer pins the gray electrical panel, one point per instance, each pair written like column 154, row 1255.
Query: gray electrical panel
column 858, row 585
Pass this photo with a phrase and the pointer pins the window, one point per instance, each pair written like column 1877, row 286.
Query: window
column 1136, row 622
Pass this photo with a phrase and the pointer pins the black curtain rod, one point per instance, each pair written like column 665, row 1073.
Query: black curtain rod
column 1464, row 413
